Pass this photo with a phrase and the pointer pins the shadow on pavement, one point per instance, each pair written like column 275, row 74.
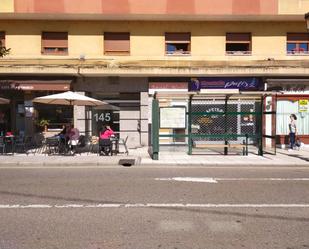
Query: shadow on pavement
column 237, row 214
column 59, row 198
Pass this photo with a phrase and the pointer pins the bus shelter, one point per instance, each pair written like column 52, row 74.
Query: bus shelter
column 219, row 122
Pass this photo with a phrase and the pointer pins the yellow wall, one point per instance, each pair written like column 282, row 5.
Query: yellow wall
column 293, row 6
column 147, row 38
column 7, row 6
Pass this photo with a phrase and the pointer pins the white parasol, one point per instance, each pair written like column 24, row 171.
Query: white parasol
column 69, row 98
column 4, row 101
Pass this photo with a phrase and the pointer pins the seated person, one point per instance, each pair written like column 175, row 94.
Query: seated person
column 105, row 143
column 73, row 135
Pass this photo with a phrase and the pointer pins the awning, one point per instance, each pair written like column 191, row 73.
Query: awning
column 35, row 85
column 288, row 84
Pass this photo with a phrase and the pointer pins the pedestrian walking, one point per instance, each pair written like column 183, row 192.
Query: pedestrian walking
column 293, row 131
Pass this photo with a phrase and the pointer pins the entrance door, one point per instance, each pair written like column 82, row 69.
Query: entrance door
column 269, row 124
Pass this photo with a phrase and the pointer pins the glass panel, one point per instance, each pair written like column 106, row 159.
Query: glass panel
column 104, row 117
column 284, row 109
column 56, row 115
column 236, row 48
column 178, row 48
column 303, row 47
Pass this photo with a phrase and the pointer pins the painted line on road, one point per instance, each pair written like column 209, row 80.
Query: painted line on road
column 216, row 180
column 189, row 179
column 152, row 205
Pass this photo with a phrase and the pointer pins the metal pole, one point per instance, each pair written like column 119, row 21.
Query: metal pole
column 225, row 126
column 261, row 127
column 190, row 126
column 155, row 129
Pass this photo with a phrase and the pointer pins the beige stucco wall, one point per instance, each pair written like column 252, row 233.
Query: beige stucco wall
column 7, row 6
column 147, row 39
column 293, row 6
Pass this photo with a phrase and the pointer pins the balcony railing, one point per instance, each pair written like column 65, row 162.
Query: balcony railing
column 239, row 53
column 297, row 52
column 178, row 52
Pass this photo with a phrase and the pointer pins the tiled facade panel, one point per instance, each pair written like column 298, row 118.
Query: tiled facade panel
column 188, row 7
column 55, row 6
column 115, row 6
column 180, row 7
column 216, row 7
column 246, row 7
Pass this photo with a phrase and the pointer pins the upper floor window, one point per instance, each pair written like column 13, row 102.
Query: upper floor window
column 117, row 43
column 177, row 43
column 297, row 43
column 238, row 44
column 55, row 43
column 2, row 38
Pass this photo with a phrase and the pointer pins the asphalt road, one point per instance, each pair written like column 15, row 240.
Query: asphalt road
column 154, row 207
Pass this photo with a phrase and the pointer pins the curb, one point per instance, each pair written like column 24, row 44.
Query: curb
column 145, row 165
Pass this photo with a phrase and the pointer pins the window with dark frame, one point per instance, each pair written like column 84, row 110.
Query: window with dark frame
column 2, row 38
column 238, row 44
column 297, row 43
column 177, row 43
column 116, row 43
column 55, row 43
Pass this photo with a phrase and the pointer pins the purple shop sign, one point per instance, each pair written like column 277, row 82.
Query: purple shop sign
column 244, row 84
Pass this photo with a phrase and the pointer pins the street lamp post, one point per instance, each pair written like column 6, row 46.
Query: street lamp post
column 307, row 19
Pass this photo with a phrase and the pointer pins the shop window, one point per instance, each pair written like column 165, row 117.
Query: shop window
column 56, row 116
column 284, row 109
column 55, row 43
column 177, row 43
column 116, row 43
column 2, row 38
column 238, row 44
column 297, row 43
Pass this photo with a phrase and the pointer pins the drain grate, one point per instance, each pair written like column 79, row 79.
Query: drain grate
column 127, row 162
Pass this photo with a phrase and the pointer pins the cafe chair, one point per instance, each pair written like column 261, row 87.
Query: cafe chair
column 93, row 144
column 105, row 147
column 52, row 145
column 2, row 145
column 21, row 144
column 123, row 142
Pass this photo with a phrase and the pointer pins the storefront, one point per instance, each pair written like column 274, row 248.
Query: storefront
column 21, row 116
column 294, row 100
column 126, row 110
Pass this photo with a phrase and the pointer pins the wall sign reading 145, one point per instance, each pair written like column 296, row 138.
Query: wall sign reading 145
column 103, row 117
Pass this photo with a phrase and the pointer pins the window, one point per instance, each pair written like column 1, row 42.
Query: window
column 177, row 43
column 116, row 43
column 2, row 38
column 238, row 44
column 55, row 43
column 297, row 43
column 284, row 109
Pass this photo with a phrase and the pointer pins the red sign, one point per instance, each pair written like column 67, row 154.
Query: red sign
column 168, row 85
column 35, row 85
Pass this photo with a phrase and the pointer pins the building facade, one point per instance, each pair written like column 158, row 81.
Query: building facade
column 122, row 51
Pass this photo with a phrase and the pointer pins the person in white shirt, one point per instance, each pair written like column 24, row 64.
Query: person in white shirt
column 293, row 130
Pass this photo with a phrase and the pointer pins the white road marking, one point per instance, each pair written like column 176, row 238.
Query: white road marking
column 153, row 205
column 216, row 180
column 262, row 179
column 188, row 179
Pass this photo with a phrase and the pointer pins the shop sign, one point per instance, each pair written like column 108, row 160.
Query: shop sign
column 167, row 86
column 173, row 117
column 243, row 84
column 36, row 86
column 303, row 105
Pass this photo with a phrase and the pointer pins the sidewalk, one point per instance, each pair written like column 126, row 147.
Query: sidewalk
column 141, row 157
